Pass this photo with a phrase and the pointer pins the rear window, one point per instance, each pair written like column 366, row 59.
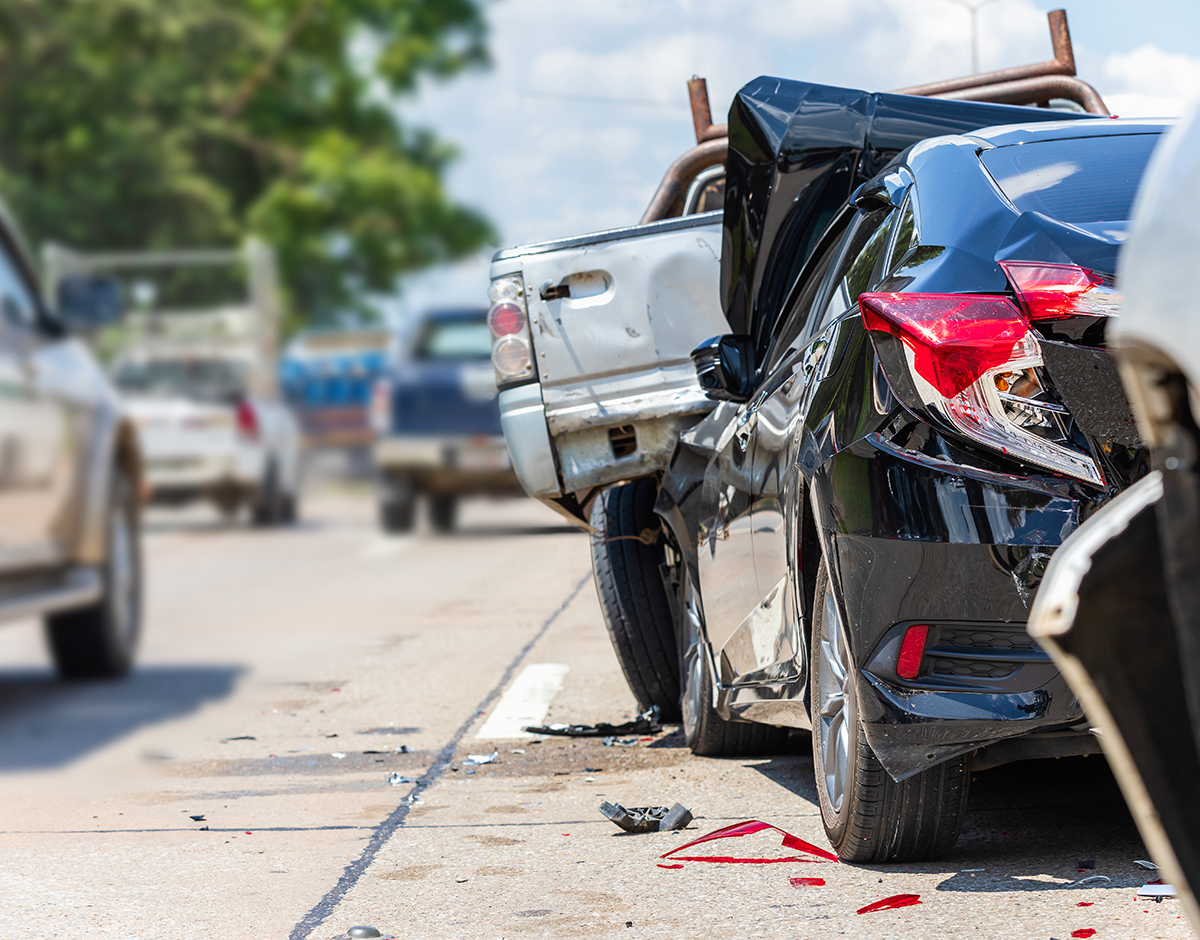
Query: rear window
column 186, row 377
column 1087, row 179
column 456, row 339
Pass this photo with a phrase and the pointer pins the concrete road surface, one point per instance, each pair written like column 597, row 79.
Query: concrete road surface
column 235, row 787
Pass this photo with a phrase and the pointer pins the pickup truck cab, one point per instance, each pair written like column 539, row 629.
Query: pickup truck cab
column 437, row 424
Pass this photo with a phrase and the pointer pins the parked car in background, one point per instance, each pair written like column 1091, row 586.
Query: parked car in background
column 1119, row 608
column 70, row 473
column 437, row 423
column 209, row 435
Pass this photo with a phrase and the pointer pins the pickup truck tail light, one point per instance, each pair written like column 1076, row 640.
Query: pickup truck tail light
column 512, row 349
column 247, row 420
column 973, row 361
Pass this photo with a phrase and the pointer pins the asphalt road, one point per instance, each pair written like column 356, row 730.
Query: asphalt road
column 280, row 673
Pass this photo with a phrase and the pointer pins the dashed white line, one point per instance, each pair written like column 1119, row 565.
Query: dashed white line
column 526, row 701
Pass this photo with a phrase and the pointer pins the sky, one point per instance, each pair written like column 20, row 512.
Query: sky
column 585, row 105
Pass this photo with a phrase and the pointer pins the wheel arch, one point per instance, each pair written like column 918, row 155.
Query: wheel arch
column 115, row 448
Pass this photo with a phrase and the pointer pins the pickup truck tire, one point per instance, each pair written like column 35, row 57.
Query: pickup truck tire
column 397, row 504
column 443, row 511
column 99, row 642
column 268, row 508
column 868, row 816
column 626, row 559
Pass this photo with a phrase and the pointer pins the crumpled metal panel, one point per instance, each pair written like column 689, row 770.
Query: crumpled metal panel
column 586, row 456
column 621, row 399
column 797, row 151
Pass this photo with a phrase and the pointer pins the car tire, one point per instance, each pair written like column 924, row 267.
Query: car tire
column 868, row 816
column 443, row 512
column 268, row 508
column 397, row 505
column 633, row 599
column 704, row 730
column 99, row 641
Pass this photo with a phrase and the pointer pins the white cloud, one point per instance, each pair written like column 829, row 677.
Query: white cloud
column 1148, row 82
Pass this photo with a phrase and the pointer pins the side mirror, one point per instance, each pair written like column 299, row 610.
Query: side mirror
column 90, row 301
column 725, row 366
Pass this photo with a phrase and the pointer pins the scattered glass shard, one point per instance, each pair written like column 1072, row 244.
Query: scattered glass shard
column 481, row 758
column 887, row 904
column 807, row 882
column 1142, row 863
column 1083, row 933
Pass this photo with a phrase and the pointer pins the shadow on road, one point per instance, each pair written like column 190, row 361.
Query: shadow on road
column 46, row 724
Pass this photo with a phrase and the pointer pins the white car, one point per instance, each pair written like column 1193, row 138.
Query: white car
column 206, row 436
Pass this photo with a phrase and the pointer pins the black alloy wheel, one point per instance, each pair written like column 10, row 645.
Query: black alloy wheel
column 868, row 816
column 627, row 559
column 99, row 641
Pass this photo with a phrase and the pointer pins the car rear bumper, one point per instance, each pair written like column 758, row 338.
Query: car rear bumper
column 447, row 463
column 914, row 541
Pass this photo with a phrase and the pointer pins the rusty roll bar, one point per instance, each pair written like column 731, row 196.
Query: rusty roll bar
column 1035, row 90
column 1063, row 63
column 681, row 174
column 702, row 113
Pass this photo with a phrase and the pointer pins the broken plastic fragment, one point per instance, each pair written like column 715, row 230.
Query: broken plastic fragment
column 481, row 758
column 661, row 865
column 1142, row 863
column 1083, row 933
column 807, row 882
column 1093, row 880
column 747, row 828
column 887, row 904
column 645, row 723
column 1085, row 903
column 647, row 818
column 1158, row 892
column 613, row 741
column 397, row 779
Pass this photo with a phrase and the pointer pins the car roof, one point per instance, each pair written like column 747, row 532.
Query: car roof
column 1008, row 135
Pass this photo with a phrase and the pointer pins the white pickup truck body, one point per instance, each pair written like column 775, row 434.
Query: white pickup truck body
column 612, row 319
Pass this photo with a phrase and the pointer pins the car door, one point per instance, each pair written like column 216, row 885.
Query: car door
column 35, row 461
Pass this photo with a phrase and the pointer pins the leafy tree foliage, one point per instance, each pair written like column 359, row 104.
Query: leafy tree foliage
column 129, row 124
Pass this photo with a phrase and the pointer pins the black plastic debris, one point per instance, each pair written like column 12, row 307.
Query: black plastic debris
column 647, row 818
column 240, row 737
column 1082, row 863
column 196, row 818
column 645, row 723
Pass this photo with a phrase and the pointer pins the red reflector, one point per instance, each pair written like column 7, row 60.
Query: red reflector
column 506, row 319
column 1049, row 291
column 912, row 651
column 954, row 338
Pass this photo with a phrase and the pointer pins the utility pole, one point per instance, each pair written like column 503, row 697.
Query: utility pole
column 974, row 6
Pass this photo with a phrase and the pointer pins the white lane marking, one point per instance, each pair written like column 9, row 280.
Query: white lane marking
column 385, row 547
column 526, row 701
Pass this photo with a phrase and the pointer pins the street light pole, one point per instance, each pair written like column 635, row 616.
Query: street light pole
column 974, row 9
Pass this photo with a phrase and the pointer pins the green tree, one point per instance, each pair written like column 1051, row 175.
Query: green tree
column 129, row 124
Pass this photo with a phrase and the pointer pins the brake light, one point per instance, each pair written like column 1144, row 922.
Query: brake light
column 912, row 651
column 1057, row 291
column 972, row 361
column 512, row 347
column 247, row 420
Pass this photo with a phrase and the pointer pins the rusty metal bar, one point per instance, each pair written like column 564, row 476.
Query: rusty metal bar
column 702, row 112
column 680, row 175
column 1034, row 91
column 1063, row 63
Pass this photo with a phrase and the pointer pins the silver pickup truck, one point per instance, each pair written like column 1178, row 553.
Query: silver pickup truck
column 592, row 335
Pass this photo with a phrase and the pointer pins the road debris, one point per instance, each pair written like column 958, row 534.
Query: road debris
column 401, row 749
column 887, row 904
column 640, row 819
column 1085, row 904
column 612, row 741
column 645, row 723
column 396, row 779
column 1142, row 863
column 1157, row 892
column 1092, row 880
column 750, row 826
column 240, row 737
column 340, row 755
column 1083, row 933
column 1083, row 863
column 363, row 932
column 481, row 758
column 807, row 882
column 196, row 818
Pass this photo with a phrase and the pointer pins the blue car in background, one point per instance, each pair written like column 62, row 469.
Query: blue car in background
column 327, row 376
column 437, row 422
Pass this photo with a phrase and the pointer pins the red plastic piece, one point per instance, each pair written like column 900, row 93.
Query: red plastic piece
column 746, row 828
column 954, row 338
column 887, row 904
column 1084, row 932
column 1049, row 291
column 807, row 882
column 661, row 865
column 1085, row 903
column 912, row 651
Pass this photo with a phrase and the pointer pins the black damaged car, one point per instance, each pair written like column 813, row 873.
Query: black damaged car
column 916, row 409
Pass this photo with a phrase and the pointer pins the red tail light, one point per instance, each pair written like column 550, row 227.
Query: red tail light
column 247, row 420
column 972, row 361
column 912, row 651
column 954, row 338
column 1058, row 291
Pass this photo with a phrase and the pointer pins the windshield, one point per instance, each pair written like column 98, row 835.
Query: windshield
column 208, row 379
column 456, row 339
column 1086, row 179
